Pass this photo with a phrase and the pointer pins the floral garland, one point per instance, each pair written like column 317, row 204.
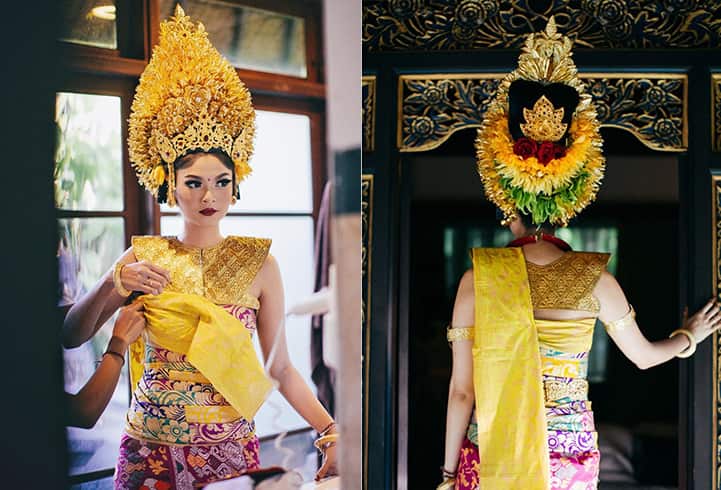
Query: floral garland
column 549, row 181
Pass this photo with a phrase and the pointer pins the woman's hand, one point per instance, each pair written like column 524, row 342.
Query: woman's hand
column 704, row 322
column 330, row 464
column 145, row 277
column 130, row 323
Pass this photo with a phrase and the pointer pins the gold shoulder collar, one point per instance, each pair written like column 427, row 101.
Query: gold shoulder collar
column 568, row 282
column 223, row 273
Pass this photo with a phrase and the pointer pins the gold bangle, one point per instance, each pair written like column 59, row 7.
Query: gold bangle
column 324, row 442
column 448, row 484
column 688, row 351
column 623, row 322
column 119, row 288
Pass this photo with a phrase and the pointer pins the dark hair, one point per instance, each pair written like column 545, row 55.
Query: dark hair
column 524, row 94
column 188, row 159
column 527, row 221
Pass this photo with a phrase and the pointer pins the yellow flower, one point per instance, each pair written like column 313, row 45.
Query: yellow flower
column 158, row 175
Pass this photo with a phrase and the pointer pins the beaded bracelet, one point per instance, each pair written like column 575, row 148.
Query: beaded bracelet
column 327, row 428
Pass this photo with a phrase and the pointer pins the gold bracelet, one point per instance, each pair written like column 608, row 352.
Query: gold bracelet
column 688, row 351
column 623, row 322
column 448, row 484
column 324, row 442
column 327, row 428
column 119, row 288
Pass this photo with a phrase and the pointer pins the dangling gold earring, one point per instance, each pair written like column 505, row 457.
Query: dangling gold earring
column 171, row 185
column 233, row 200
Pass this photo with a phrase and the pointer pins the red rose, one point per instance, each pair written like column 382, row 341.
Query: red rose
column 545, row 152
column 524, row 147
column 559, row 151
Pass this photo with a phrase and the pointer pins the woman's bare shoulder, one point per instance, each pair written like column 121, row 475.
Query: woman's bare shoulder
column 611, row 297
column 464, row 306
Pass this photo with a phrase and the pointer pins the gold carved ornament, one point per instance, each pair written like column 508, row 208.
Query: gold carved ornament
column 554, row 190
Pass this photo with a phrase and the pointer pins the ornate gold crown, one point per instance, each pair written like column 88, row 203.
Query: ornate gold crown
column 544, row 122
column 189, row 99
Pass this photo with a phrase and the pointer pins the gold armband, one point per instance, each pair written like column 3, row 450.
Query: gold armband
column 459, row 333
column 117, row 282
column 623, row 322
column 688, row 351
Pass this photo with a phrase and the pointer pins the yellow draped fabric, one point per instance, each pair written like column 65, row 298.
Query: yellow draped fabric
column 507, row 375
column 570, row 336
column 213, row 341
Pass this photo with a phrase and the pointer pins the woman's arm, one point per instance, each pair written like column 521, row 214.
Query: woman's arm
column 271, row 324
column 91, row 311
column 85, row 407
column 633, row 343
column 460, row 391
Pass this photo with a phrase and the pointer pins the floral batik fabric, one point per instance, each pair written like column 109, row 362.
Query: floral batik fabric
column 180, row 431
column 571, row 435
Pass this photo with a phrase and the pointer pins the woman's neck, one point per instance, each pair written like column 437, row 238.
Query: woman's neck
column 200, row 236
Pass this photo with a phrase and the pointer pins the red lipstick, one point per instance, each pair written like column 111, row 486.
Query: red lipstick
column 208, row 211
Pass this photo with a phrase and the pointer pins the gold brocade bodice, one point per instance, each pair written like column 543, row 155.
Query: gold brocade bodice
column 567, row 283
column 221, row 274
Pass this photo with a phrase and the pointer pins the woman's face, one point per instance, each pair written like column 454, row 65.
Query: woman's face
column 203, row 190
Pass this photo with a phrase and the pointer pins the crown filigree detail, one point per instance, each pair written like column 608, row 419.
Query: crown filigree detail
column 544, row 122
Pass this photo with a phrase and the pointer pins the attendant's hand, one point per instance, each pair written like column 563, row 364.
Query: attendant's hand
column 704, row 322
column 130, row 323
column 145, row 277
column 330, row 464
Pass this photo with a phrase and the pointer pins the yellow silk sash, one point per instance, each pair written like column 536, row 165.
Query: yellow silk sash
column 507, row 375
column 213, row 341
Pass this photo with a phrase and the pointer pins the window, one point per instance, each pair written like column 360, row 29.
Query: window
column 106, row 44
column 251, row 38
column 89, row 198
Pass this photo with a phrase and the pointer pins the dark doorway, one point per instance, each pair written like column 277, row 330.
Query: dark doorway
column 636, row 216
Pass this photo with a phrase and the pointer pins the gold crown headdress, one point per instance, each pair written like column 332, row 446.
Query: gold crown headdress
column 553, row 170
column 189, row 99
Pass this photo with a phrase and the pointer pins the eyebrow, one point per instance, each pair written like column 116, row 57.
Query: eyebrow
column 224, row 174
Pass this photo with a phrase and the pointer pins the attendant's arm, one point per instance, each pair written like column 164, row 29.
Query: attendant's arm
column 91, row 311
column 460, row 391
column 85, row 407
column 271, row 324
column 633, row 343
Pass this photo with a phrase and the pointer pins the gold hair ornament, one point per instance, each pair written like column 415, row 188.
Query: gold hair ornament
column 544, row 122
column 189, row 99
column 559, row 189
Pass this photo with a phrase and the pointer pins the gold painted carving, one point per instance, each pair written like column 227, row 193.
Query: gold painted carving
column 441, row 25
column 366, row 249
column 716, row 342
column 716, row 111
column 369, row 112
column 651, row 106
